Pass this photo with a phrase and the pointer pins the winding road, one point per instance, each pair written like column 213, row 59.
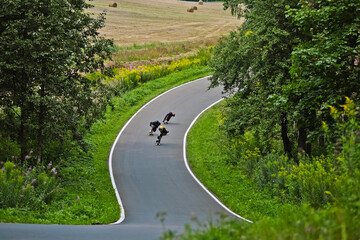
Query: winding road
column 148, row 179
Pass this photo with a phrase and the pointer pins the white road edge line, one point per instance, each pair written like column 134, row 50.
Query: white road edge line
column 193, row 175
column 122, row 214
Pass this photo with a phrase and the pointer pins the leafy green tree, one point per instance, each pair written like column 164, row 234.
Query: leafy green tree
column 255, row 62
column 46, row 47
column 325, row 66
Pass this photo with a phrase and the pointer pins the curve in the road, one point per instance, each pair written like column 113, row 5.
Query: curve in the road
column 194, row 176
column 154, row 179
column 122, row 214
column 150, row 179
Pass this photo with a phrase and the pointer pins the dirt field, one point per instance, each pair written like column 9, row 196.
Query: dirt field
column 163, row 21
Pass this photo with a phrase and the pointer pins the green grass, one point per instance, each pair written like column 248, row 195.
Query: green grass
column 272, row 220
column 87, row 195
column 232, row 187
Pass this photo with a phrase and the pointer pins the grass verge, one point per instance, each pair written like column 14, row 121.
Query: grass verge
column 231, row 186
column 273, row 220
column 87, row 196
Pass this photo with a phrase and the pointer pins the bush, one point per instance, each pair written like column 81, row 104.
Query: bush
column 312, row 181
column 266, row 174
column 31, row 187
column 348, row 128
column 243, row 152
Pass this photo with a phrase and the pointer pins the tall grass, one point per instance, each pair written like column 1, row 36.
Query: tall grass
column 22, row 187
column 160, row 52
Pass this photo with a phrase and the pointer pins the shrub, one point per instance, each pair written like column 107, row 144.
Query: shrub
column 348, row 128
column 243, row 152
column 31, row 187
column 266, row 173
column 11, row 182
column 312, row 181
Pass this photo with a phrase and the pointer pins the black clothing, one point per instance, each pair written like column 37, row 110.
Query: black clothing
column 163, row 131
column 154, row 125
column 168, row 116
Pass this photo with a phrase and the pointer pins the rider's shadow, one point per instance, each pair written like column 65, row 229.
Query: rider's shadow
column 171, row 123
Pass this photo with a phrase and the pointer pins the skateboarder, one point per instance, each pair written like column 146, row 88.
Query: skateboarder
column 163, row 132
column 168, row 116
column 153, row 126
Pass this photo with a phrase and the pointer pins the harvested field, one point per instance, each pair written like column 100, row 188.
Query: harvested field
column 164, row 21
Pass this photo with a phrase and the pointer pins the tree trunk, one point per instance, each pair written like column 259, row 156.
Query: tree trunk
column 308, row 149
column 21, row 136
column 22, row 102
column 40, row 137
column 23, row 119
column 284, row 135
column 303, row 148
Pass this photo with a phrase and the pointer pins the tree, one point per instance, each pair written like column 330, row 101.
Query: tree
column 325, row 66
column 47, row 46
column 255, row 62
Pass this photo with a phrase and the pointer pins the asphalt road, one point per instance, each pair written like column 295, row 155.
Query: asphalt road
column 150, row 179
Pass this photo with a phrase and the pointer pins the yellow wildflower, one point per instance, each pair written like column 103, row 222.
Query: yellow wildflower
column 325, row 126
column 333, row 110
column 248, row 33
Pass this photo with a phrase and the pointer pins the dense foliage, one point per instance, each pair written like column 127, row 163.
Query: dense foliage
column 46, row 102
column 292, row 64
column 325, row 66
column 287, row 62
column 255, row 63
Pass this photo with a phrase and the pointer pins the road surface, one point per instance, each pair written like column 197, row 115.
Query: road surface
column 149, row 179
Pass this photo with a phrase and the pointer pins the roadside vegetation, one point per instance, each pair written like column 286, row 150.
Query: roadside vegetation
column 290, row 133
column 317, row 199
